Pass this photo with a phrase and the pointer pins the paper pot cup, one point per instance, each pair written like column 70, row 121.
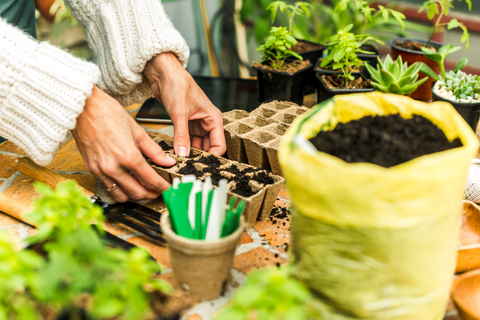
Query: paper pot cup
column 201, row 267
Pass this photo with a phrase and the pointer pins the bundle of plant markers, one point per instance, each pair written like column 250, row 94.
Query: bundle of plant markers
column 197, row 211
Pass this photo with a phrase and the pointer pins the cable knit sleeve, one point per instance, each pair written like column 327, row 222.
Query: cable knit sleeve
column 42, row 91
column 123, row 36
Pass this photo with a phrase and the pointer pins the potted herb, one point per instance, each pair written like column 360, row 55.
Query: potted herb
column 395, row 76
column 278, row 79
column 456, row 87
column 411, row 48
column 308, row 50
column 343, row 60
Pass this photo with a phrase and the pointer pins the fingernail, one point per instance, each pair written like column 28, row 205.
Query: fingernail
column 182, row 152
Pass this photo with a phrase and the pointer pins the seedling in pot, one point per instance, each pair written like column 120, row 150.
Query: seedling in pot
column 342, row 52
column 276, row 48
column 395, row 76
column 432, row 10
column 291, row 10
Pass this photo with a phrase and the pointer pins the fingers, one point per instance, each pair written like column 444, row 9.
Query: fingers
column 153, row 151
column 197, row 142
column 206, row 143
column 130, row 185
column 118, row 193
column 217, row 144
column 181, row 136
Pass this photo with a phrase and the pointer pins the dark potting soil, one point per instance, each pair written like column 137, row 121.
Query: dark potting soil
column 383, row 140
column 279, row 215
column 413, row 45
column 336, row 81
column 189, row 168
column 165, row 146
column 263, row 177
column 210, row 161
column 303, row 46
column 243, row 188
column 235, row 170
column 288, row 66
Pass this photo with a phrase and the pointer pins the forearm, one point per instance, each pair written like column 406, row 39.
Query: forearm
column 42, row 91
column 124, row 36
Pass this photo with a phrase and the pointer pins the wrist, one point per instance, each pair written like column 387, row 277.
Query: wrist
column 161, row 67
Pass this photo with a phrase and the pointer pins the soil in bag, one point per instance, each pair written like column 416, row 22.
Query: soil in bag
column 383, row 140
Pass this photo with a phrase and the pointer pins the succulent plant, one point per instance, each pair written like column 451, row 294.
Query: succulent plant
column 459, row 86
column 395, row 76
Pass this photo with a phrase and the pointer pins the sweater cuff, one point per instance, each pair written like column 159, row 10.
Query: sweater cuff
column 124, row 36
column 45, row 99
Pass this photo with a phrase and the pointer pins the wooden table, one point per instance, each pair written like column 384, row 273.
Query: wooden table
column 262, row 246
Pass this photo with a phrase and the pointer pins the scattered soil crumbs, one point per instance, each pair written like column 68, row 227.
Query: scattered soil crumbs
column 414, row 45
column 335, row 81
column 165, row 146
column 243, row 188
column 210, row 160
column 288, row 66
column 383, row 140
column 303, row 46
column 279, row 215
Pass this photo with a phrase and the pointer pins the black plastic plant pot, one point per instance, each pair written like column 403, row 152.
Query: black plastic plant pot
column 312, row 55
column 325, row 92
column 370, row 58
column 65, row 315
column 282, row 86
column 469, row 111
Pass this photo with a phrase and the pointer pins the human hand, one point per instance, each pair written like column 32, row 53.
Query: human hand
column 112, row 143
column 197, row 122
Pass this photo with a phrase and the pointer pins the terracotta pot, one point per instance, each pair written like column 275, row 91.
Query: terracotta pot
column 466, row 294
column 43, row 6
column 202, row 267
column 423, row 92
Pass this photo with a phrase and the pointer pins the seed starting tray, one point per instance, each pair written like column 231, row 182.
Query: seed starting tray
column 254, row 138
column 259, row 188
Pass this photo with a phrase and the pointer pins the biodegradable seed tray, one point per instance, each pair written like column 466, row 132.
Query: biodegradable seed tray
column 254, row 138
column 259, row 188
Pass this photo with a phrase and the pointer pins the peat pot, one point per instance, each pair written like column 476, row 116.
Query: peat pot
column 282, row 86
column 202, row 267
column 325, row 92
column 469, row 111
column 423, row 92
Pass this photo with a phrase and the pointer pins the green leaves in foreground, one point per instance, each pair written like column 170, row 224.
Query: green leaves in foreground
column 79, row 267
column 395, row 76
column 271, row 294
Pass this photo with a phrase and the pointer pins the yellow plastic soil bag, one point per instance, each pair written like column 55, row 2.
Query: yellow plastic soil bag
column 371, row 242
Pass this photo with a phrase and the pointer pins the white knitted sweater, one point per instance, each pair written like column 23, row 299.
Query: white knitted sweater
column 43, row 88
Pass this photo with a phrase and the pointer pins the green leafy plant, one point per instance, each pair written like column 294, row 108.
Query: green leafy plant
column 440, row 57
column 459, row 86
column 369, row 13
column 271, row 294
column 291, row 10
column 342, row 52
column 395, row 76
column 276, row 48
column 81, row 271
column 17, row 269
column 432, row 7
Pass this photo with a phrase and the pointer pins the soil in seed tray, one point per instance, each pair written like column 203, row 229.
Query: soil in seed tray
column 263, row 177
column 210, row 161
column 383, row 140
column 414, row 45
column 236, row 171
column 335, row 81
column 289, row 67
column 242, row 187
column 303, row 46
column 190, row 169
column 165, row 146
